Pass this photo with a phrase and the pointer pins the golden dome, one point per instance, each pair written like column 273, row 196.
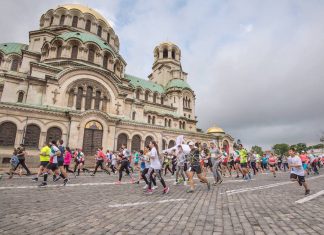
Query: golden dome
column 215, row 130
column 85, row 9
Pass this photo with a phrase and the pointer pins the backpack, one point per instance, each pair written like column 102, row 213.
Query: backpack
column 14, row 161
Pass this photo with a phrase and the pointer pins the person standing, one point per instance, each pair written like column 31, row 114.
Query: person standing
column 44, row 158
column 195, row 167
column 297, row 170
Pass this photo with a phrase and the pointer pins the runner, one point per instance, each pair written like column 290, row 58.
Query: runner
column 61, row 173
column 195, row 167
column 244, row 162
column 156, row 168
column 264, row 163
column 44, row 158
column 167, row 163
column 21, row 154
column 67, row 160
column 272, row 164
column 79, row 161
column 14, row 161
column 53, row 165
column 146, row 171
column 304, row 159
column 100, row 158
column 236, row 157
column 215, row 160
column 297, row 170
column 124, row 164
column 181, row 158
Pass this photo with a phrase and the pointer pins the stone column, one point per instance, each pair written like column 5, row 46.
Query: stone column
column 92, row 103
column 74, row 100
column 83, row 103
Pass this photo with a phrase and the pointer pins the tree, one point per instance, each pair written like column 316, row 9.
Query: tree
column 257, row 149
column 280, row 149
column 299, row 147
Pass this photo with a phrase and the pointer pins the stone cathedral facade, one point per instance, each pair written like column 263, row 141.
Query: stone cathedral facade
column 70, row 82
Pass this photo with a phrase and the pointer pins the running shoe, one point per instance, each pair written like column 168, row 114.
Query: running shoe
column 137, row 182
column 132, row 181
column 175, row 183
column 185, row 183
column 219, row 181
column 43, row 184
column 166, row 190
column 190, row 191
column 56, row 178
column 145, row 187
column 118, row 182
column 215, row 183
column 154, row 187
column 208, row 185
column 92, row 175
column 307, row 192
column 149, row 191
column 35, row 179
column 66, row 180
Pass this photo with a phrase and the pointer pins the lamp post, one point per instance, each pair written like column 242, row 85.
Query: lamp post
column 322, row 141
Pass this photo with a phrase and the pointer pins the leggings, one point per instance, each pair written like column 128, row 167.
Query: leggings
column 100, row 163
column 216, row 174
column 144, row 172
column 123, row 166
column 23, row 164
column 167, row 167
column 285, row 165
column 180, row 169
column 253, row 166
column 158, row 174
column 66, row 167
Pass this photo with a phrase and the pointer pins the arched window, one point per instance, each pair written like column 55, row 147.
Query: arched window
column 169, row 123
column 8, row 131
column 52, row 19
column 180, row 124
column 1, row 91
column 162, row 100
column 184, row 102
column 171, row 144
column 99, row 31
column 59, row 51
column 165, row 53
column 154, row 98
column 153, row 120
column 146, row 95
column 184, row 125
column 189, row 103
column 88, row 26
column 1, row 58
column 91, row 54
column 53, row 133
column 75, row 21
column 149, row 119
column 133, row 115
column 32, row 136
column 138, row 93
column 164, row 145
column 71, row 98
column 148, row 140
column 105, row 61
column 108, row 37
column 74, row 53
column 14, row 64
column 121, row 139
column 165, row 122
column 173, row 54
column 136, row 143
column 97, row 100
column 79, row 98
column 62, row 19
column 88, row 98
column 20, row 97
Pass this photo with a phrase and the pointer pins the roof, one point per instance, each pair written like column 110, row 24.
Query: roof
column 144, row 83
column 86, row 37
column 12, row 47
column 215, row 130
column 85, row 9
column 161, row 111
column 177, row 83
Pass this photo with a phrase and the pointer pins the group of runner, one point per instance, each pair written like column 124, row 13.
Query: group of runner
column 151, row 165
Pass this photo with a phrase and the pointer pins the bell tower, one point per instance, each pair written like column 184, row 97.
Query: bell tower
column 167, row 64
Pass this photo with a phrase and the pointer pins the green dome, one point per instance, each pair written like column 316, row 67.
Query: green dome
column 145, row 84
column 12, row 47
column 87, row 37
column 177, row 83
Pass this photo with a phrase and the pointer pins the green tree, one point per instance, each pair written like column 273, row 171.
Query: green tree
column 280, row 149
column 300, row 147
column 257, row 149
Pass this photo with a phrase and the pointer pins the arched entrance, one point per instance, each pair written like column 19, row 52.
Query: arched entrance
column 121, row 139
column 136, row 143
column 53, row 133
column 8, row 132
column 148, row 140
column 226, row 146
column 171, row 144
column 92, row 138
column 32, row 135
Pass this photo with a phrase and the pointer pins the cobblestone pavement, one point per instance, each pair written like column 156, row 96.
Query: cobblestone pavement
column 94, row 205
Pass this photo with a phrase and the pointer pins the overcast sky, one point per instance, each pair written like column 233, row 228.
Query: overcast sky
column 257, row 67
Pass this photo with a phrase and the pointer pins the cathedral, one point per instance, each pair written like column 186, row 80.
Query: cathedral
column 70, row 83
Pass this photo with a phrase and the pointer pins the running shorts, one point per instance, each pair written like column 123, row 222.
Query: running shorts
column 196, row 169
column 301, row 179
column 52, row 166
column 60, row 163
column 244, row 165
column 305, row 166
column 44, row 164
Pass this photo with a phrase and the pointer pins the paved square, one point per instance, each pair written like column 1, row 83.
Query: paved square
column 94, row 205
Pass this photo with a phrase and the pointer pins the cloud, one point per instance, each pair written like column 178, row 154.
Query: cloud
column 256, row 67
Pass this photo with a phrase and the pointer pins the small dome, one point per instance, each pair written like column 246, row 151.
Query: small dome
column 12, row 48
column 177, row 83
column 215, row 130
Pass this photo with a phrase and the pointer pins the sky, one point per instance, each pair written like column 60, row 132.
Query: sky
column 257, row 67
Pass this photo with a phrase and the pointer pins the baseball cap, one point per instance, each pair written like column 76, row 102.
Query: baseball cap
column 191, row 143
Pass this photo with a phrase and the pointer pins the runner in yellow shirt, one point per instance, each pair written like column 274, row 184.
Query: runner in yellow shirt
column 44, row 158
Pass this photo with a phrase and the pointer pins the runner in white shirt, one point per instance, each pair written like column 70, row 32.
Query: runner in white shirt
column 297, row 171
column 155, row 168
